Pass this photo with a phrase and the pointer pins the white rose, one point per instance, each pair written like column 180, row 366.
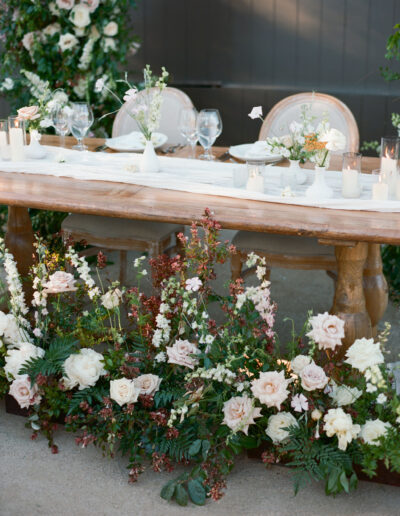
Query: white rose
column 180, row 353
column 111, row 29
column 83, row 369
column 334, row 139
column 91, row 4
column 147, row 384
column 327, row 330
column 28, row 40
column 338, row 423
column 67, row 41
column 65, row 4
column 59, row 282
column 21, row 390
column 111, row 299
column 373, row 430
column 123, row 391
column 13, row 334
column 80, row 16
column 52, row 29
column 271, row 388
column 109, row 44
column 299, row 363
column 239, row 413
column 364, row 353
column 16, row 358
column 277, row 423
column 313, row 377
column 343, row 395
column 287, row 140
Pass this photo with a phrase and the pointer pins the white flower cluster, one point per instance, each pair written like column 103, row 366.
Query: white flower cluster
column 86, row 56
column 37, row 87
column 180, row 411
column 220, row 374
column 375, row 379
column 83, row 269
column 7, row 84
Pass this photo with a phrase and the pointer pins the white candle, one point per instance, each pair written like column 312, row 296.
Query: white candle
column 389, row 173
column 3, row 139
column 398, row 189
column 255, row 184
column 380, row 191
column 17, row 144
column 350, row 184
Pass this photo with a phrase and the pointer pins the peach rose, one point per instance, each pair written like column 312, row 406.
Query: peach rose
column 29, row 113
column 180, row 353
column 25, row 394
column 147, row 384
column 239, row 413
column 313, row 377
column 271, row 388
column 60, row 282
column 327, row 330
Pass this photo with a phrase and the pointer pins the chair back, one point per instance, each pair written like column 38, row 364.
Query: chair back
column 173, row 102
column 287, row 110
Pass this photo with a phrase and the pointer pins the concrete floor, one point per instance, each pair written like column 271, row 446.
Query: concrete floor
column 80, row 482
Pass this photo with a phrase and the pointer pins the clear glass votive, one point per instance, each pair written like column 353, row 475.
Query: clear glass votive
column 240, row 176
column 389, row 163
column 17, row 138
column 351, row 170
column 255, row 180
column 380, row 189
column 4, row 149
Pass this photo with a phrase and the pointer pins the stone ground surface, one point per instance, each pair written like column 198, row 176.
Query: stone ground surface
column 80, row 482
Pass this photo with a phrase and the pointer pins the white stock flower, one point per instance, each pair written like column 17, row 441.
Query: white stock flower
column 22, row 391
column 313, row 377
column 338, row 423
column 83, row 369
column 334, row 139
column 16, row 358
column 193, row 284
column 67, row 41
column 111, row 29
column 160, row 357
column 364, row 353
column 239, row 413
column 80, row 16
column 343, row 395
column 147, row 384
column 327, row 330
column 180, row 353
column 111, row 299
column 372, row 430
column 130, row 94
column 8, row 84
column 256, row 112
column 271, row 388
column 123, row 391
column 276, row 425
column 299, row 363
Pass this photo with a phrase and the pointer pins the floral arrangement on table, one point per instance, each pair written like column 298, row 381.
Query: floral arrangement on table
column 38, row 116
column 66, row 43
column 171, row 385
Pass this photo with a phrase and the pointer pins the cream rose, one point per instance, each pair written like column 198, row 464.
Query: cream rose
column 373, row 430
column 65, row 4
column 313, row 377
column 111, row 299
column 180, row 353
column 364, row 353
column 67, row 41
column 147, row 384
column 338, row 423
column 271, row 388
column 276, row 425
column 59, row 282
column 83, row 369
column 287, row 140
column 316, row 415
column 327, row 330
column 28, row 40
column 343, row 395
column 80, row 16
column 25, row 394
column 111, row 29
column 239, row 413
column 92, row 5
column 299, row 363
column 52, row 29
column 123, row 391
column 28, row 113
column 16, row 358
column 334, row 140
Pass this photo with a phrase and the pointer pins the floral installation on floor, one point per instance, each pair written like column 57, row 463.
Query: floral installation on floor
column 67, row 43
column 163, row 380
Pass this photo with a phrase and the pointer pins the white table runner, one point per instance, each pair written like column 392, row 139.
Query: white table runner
column 196, row 176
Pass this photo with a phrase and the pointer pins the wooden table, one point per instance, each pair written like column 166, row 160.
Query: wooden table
column 361, row 290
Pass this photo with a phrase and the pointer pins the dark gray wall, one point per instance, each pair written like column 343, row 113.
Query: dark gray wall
column 263, row 50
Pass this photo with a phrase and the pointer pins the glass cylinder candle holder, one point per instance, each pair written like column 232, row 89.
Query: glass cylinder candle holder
column 255, row 181
column 389, row 163
column 4, row 147
column 17, row 136
column 380, row 189
column 351, row 170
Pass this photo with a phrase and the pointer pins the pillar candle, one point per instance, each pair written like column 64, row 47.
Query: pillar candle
column 380, row 191
column 389, row 173
column 3, row 139
column 350, row 184
column 17, row 144
column 255, row 184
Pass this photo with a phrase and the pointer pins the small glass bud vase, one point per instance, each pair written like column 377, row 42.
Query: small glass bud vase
column 255, row 181
column 389, row 163
column 351, row 174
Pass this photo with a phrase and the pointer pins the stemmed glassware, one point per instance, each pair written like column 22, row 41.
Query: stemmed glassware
column 61, row 121
column 209, row 127
column 188, row 128
column 81, row 120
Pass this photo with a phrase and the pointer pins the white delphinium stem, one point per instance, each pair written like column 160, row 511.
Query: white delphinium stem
column 83, row 269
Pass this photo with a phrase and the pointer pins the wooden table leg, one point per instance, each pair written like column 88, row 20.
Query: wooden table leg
column 349, row 301
column 19, row 241
column 375, row 286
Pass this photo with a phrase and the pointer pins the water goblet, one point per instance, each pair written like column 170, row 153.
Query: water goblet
column 81, row 120
column 209, row 127
column 188, row 128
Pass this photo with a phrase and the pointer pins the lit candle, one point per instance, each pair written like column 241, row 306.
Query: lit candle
column 255, row 183
column 3, row 139
column 350, row 185
column 17, row 143
column 389, row 163
column 380, row 190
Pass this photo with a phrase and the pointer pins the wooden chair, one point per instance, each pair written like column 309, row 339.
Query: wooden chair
column 125, row 235
column 287, row 251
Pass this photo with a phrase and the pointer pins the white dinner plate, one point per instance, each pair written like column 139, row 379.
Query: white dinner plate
column 242, row 152
column 135, row 142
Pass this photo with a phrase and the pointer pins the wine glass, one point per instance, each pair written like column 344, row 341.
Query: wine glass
column 209, row 127
column 61, row 122
column 81, row 120
column 188, row 128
